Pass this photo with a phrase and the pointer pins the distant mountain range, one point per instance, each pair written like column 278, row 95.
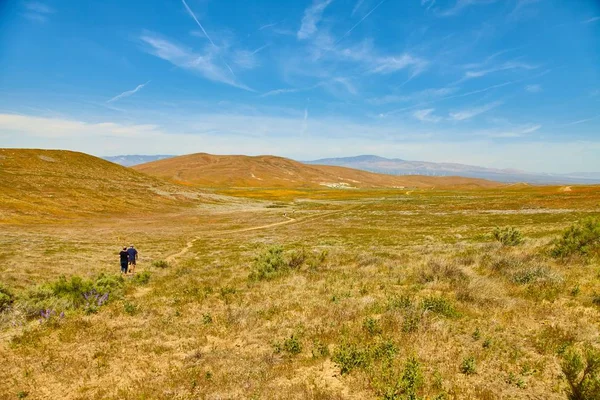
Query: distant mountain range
column 396, row 166
column 130, row 161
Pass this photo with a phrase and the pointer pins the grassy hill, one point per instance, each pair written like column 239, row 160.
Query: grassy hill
column 62, row 184
column 269, row 171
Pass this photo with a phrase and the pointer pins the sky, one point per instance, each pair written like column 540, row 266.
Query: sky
column 496, row 83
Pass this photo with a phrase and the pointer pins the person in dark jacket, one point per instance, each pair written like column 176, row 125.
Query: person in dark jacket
column 124, row 260
column 133, row 256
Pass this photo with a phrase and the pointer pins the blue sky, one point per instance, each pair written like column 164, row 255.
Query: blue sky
column 509, row 84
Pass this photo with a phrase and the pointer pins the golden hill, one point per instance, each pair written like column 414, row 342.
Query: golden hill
column 269, row 171
column 64, row 184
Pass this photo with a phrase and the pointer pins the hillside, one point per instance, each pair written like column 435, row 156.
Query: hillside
column 64, row 184
column 269, row 171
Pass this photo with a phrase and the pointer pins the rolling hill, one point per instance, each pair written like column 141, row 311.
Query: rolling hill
column 56, row 184
column 269, row 171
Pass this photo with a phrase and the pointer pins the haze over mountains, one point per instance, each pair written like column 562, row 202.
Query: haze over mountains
column 209, row 170
column 397, row 166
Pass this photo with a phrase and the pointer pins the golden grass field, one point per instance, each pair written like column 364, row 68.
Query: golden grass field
column 385, row 294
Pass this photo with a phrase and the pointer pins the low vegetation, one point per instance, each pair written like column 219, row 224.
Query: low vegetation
column 363, row 295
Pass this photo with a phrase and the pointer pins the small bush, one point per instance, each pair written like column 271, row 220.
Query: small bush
column 349, row 356
column 508, row 236
column 291, row 345
column 398, row 302
column 319, row 349
column 130, row 308
column 142, row 278
column 532, row 275
column 412, row 320
column 581, row 239
column 439, row 305
column 269, row 265
column 6, row 298
column 297, row 259
column 468, row 366
column 162, row 264
column 371, row 326
column 582, row 373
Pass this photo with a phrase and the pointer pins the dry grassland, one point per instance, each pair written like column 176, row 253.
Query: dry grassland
column 363, row 294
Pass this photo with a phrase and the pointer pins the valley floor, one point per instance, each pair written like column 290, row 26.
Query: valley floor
column 351, row 295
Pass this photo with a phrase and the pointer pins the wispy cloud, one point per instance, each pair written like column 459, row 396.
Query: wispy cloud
column 360, row 21
column 460, row 5
column 426, row 115
column 204, row 63
column 590, row 20
column 509, row 65
column 357, row 7
column 128, row 93
column 247, row 59
column 38, row 12
column 312, row 16
column 533, row 88
column 276, row 92
column 428, row 3
column 473, row 112
column 581, row 121
column 266, row 26
column 419, row 96
column 390, row 64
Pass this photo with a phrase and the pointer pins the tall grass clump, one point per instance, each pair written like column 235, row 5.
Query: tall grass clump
column 508, row 236
column 581, row 239
column 582, row 372
column 162, row 264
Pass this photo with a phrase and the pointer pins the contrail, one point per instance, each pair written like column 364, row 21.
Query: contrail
column 359, row 22
column 189, row 10
column 128, row 93
column 260, row 49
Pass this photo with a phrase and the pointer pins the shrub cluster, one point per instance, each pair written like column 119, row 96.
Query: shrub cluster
column 6, row 298
column 508, row 236
column 274, row 263
column 582, row 372
column 581, row 239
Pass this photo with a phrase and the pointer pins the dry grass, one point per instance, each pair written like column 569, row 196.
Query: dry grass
column 386, row 279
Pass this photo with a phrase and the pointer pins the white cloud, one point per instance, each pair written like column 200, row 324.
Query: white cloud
column 533, row 88
column 502, row 67
column 419, row 96
column 205, row 63
column 37, row 12
column 590, row 20
column 473, row 112
column 312, row 16
column 128, row 93
column 426, row 115
column 462, row 4
column 387, row 65
column 254, row 135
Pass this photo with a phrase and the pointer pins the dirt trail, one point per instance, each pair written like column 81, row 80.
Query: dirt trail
column 190, row 243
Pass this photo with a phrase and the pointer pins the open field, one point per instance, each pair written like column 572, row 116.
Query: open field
column 391, row 294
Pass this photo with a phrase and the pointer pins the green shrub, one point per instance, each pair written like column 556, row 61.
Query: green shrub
column 162, row 264
column 112, row 284
column 508, row 236
column 371, row 326
column 142, row 278
column 291, row 345
column 399, row 302
column 468, row 366
column 533, row 274
column 412, row 378
column 582, row 373
column 297, row 259
column 130, row 308
column 348, row 356
column 581, row 239
column 439, row 305
column 6, row 298
column 412, row 320
column 320, row 349
column 269, row 265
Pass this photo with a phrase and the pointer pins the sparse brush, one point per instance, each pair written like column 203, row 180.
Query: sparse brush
column 142, row 278
column 6, row 298
column 581, row 239
column 508, row 236
column 162, row 264
column 582, row 373
column 291, row 346
column 439, row 305
column 468, row 366
column 269, row 265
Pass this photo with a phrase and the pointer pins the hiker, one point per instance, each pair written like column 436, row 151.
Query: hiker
column 133, row 255
column 124, row 260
